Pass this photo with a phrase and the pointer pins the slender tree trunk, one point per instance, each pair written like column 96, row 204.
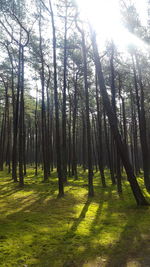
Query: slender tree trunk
column 2, row 140
column 88, row 126
column 64, row 144
column 16, row 121
column 83, row 142
column 100, row 147
column 48, row 134
column 21, row 120
column 113, row 92
column 69, row 136
column 43, row 114
column 36, row 138
column 58, row 150
column 74, row 115
column 108, row 151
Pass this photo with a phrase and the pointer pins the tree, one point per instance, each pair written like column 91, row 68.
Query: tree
column 113, row 123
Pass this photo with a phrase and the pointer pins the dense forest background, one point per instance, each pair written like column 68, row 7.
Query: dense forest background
column 68, row 101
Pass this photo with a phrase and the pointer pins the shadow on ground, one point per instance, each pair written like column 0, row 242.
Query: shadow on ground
column 37, row 229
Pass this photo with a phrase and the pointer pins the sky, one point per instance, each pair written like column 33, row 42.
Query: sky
column 141, row 6
column 105, row 17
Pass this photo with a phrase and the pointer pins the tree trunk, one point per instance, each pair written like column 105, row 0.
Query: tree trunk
column 88, row 126
column 58, row 150
column 100, row 147
column 64, row 147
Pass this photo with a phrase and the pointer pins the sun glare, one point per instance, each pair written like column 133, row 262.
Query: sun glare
column 105, row 17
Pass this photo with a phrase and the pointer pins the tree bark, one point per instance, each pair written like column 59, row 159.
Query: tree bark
column 58, row 150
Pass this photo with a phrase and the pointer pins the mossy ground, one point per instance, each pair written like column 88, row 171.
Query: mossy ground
column 38, row 229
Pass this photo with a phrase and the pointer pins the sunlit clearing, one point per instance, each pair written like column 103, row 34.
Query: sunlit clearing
column 105, row 17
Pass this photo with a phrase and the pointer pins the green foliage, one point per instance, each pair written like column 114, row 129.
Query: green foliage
column 37, row 229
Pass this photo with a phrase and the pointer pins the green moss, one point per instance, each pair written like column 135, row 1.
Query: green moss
column 37, row 229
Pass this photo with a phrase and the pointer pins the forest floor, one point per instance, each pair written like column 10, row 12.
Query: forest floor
column 38, row 229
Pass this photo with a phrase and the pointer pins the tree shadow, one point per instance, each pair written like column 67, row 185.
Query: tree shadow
column 79, row 219
column 131, row 245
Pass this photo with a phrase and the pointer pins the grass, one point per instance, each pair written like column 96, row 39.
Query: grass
column 38, row 229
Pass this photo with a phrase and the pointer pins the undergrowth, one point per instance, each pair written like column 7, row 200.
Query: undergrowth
column 39, row 229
